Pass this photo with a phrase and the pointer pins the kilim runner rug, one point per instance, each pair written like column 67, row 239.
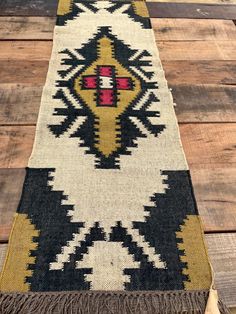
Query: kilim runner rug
column 107, row 221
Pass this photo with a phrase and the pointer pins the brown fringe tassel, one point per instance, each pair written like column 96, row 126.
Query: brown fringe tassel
column 99, row 302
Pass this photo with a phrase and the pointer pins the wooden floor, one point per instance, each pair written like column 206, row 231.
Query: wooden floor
column 197, row 44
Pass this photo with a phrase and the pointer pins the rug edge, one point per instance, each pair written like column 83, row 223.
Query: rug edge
column 114, row 302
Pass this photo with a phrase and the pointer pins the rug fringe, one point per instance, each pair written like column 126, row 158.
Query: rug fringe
column 103, row 302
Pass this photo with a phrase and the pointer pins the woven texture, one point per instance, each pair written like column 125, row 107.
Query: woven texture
column 107, row 203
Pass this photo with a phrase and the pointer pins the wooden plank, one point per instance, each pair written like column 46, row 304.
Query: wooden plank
column 192, row 10
column 222, row 252
column 28, row 7
column 215, row 190
column 200, row 72
column 15, row 146
column 169, row 50
column 41, row 28
column 19, row 103
column 182, row 29
column 26, row 50
column 205, row 145
column 15, row 71
column 209, row 145
column 11, row 182
column 177, row 72
column 197, row 50
column 26, row 28
column 204, row 103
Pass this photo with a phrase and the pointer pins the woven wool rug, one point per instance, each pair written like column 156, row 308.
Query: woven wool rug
column 107, row 221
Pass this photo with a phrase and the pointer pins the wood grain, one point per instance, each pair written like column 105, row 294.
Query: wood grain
column 15, row 146
column 197, row 50
column 28, row 7
column 204, row 103
column 19, row 103
column 215, row 190
column 200, row 72
column 25, row 50
column 192, row 10
column 11, row 183
column 17, row 71
column 33, row 28
column 222, row 251
column 209, row 145
column 204, row 30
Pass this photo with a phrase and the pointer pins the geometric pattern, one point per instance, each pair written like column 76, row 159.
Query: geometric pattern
column 107, row 203
column 161, row 225
column 70, row 9
column 114, row 98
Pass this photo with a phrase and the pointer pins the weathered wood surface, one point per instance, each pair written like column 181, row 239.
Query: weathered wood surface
column 15, row 145
column 11, row 183
column 28, row 7
column 215, row 190
column 204, row 103
column 19, row 103
column 182, row 29
column 19, row 71
column 222, row 252
column 209, row 145
column 25, row 50
column 41, row 28
column 192, row 10
column 21, row 27
column 197, row 50
column 200, row 72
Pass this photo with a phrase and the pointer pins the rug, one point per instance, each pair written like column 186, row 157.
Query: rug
column 107, row 221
